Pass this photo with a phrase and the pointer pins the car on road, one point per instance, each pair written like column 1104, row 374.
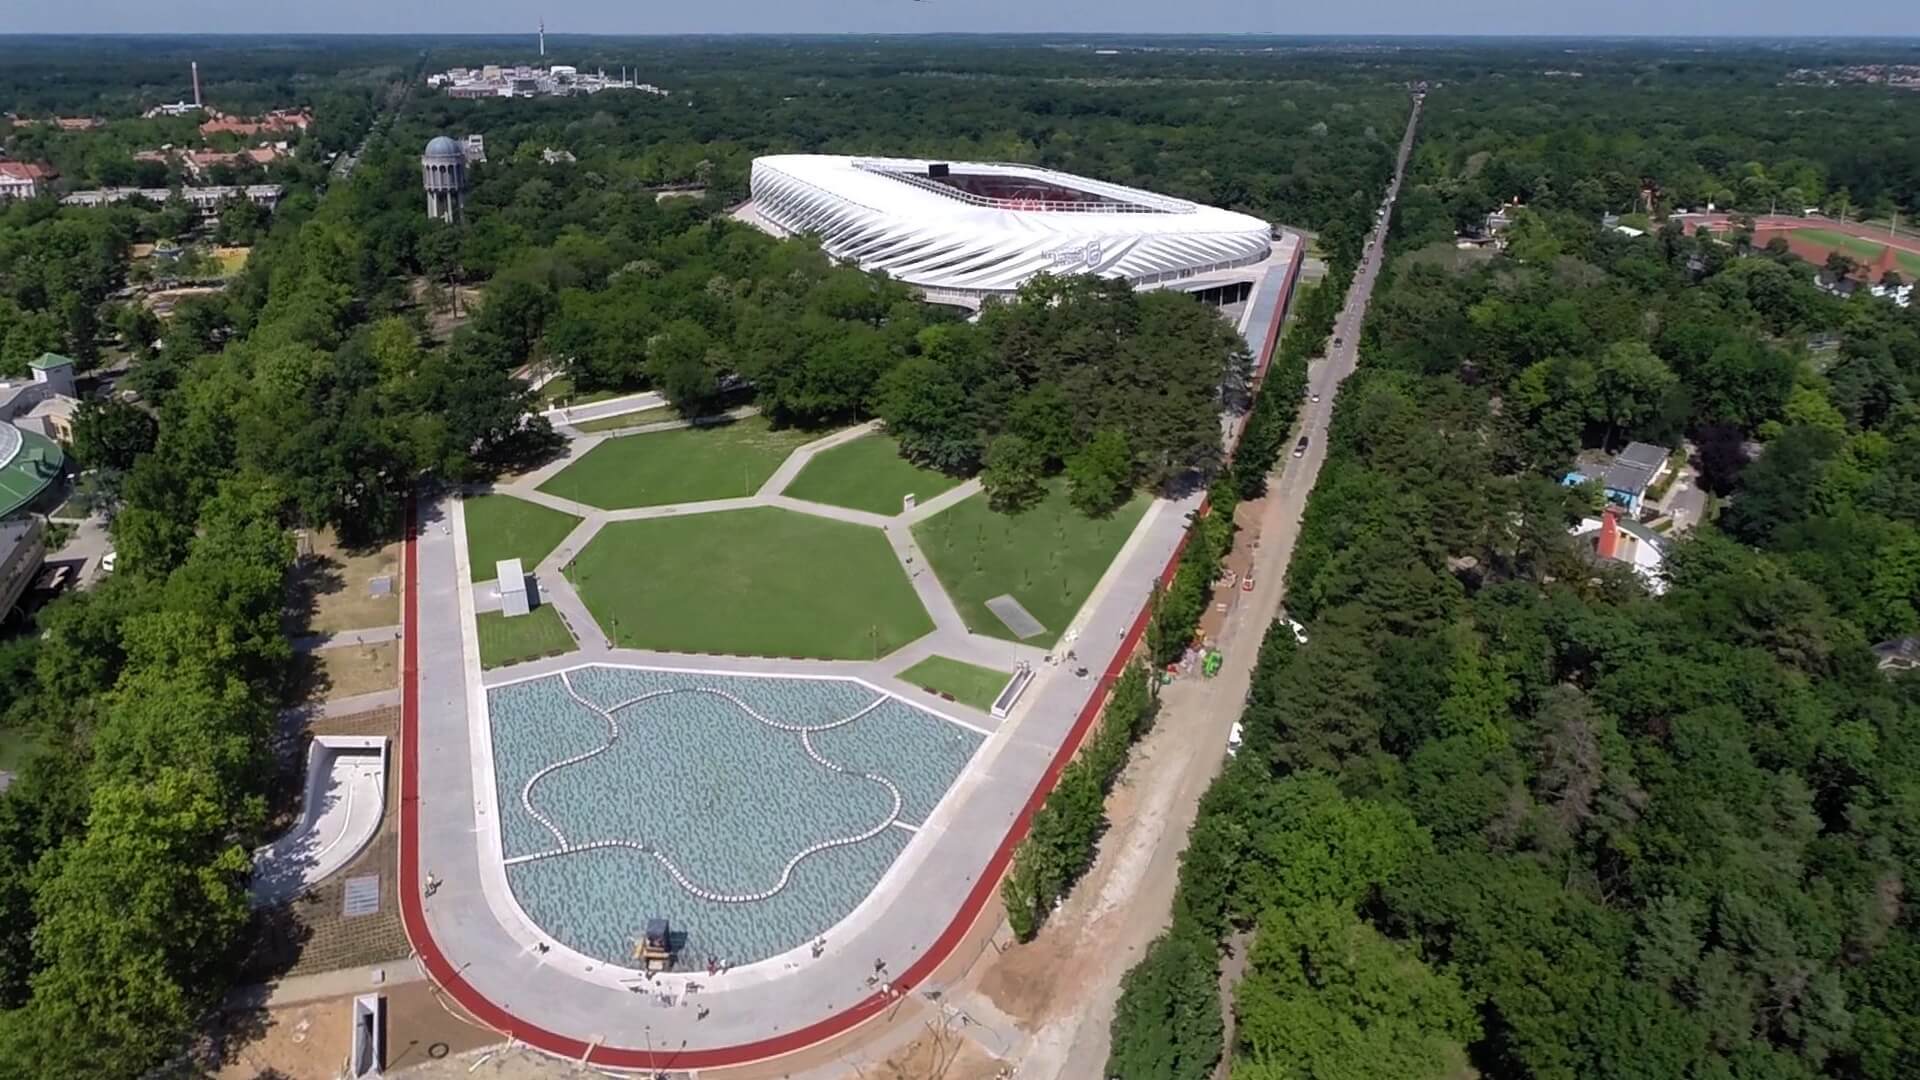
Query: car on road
column 1300, row 448
column 1316, row 397
column 1339, row 340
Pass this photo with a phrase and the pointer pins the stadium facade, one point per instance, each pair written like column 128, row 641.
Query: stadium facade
column 963, row 231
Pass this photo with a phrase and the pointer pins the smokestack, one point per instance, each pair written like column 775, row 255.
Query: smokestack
column 196, row 84
column 1608, row 546
column 543, row 37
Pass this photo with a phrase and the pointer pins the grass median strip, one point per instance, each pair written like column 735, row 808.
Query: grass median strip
column 968, row 684
column 540, row 632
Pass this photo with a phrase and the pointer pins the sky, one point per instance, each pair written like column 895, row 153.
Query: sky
column 1551, row 17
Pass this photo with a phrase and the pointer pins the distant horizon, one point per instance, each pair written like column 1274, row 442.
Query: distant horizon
column 1404, row 19
column 554, row 35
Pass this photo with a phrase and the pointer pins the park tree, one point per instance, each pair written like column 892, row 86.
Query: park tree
column 1630, row 383
column 1100, row 475
column 1013, row 474
column 113, row 434
column 1167, row 1023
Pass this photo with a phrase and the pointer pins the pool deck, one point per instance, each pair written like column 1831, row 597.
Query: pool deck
column 476, row 945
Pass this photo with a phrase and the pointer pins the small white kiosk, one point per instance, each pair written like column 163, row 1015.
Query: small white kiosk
column 512, row 584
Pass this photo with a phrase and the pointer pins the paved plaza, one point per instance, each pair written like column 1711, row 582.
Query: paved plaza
column 754, row 813
column 826, row 828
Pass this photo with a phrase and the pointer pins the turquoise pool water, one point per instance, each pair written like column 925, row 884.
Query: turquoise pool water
column 753, row 813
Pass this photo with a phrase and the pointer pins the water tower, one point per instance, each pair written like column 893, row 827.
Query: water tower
column 443, row 170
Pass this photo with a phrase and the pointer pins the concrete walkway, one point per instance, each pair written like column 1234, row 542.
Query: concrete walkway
column 345, row 706
column 601, row 410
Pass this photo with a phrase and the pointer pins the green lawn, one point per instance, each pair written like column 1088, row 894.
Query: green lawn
column 1863, row 250
column 969, row 684
column 724, row 461
column 627, row 420
column 538, row 633
column 867, row 474
column 756, row 582
column 503, row 527
column 1049, row 558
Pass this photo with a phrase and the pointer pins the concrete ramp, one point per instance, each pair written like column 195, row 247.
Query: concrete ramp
column 340, row 810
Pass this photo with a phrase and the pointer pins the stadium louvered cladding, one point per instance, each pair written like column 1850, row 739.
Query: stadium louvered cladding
column 978, row 229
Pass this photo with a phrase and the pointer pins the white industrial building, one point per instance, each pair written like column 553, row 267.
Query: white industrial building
column 963, row 231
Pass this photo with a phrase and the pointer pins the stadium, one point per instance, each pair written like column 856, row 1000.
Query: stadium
column 964, row 231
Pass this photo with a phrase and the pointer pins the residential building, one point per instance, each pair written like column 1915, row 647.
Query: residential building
column 1900, row 654
column 277, row 120
column 1613, row 538
column 23, row 547
column 207, row 200
column 495, row 80
column 476, row 148
column 1634, row 470
column 23, row 179
column 557, row 157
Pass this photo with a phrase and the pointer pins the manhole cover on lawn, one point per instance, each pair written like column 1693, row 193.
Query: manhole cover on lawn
column 362, row 896
column 1018, row 619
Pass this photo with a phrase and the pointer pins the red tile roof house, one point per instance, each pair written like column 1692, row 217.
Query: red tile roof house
column 23, row 179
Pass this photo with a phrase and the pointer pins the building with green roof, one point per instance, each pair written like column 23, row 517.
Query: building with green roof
column 28, row 464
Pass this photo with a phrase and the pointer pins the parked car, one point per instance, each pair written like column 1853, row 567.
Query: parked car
column 107, row 561
column 1300, row 448
column 1299, row 632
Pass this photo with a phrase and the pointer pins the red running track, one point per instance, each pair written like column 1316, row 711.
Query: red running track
column 446, row 974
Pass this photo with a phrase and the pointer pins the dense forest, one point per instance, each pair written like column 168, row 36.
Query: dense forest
column 1507, row 813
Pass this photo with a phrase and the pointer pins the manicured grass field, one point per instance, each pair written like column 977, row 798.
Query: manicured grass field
column 867, row 474
column 1862, row 249
column 755, row 582
column 725, row 461
column 503, row 527
column 969, row 684
column 1049, row 558
column 538, row 633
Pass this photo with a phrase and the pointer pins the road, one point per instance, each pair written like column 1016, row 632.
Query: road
column 1187, row 746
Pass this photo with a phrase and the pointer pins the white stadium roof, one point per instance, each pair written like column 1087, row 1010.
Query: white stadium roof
column 975, row 229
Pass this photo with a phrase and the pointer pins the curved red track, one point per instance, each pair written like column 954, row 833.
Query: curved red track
column 445, row 973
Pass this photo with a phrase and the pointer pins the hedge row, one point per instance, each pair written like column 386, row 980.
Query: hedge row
column 1059, row 848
